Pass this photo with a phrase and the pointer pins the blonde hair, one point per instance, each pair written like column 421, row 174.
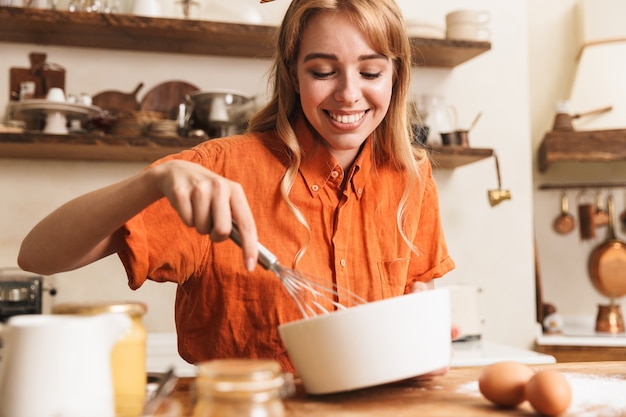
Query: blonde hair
column 382, row 23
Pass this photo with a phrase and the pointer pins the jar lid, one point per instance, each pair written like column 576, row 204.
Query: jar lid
column 240, row 375
column 133, row 309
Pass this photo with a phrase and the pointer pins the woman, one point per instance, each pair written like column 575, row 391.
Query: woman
column 326, row 177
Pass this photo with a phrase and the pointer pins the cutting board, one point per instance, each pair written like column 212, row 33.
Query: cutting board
column 165, row 97
column 118, row 101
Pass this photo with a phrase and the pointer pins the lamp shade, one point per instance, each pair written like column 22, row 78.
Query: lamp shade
column 601, row 73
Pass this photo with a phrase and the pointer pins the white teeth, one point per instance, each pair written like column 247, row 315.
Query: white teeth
column 347, row 118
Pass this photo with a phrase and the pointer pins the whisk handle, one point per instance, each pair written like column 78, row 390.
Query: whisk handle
column 266, row 258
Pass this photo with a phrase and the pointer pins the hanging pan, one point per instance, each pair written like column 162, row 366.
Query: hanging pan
column 607, row 263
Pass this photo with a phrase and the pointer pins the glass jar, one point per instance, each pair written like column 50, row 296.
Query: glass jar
column 128, row 356
column 239, row 388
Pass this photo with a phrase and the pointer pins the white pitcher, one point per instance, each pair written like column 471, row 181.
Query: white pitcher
column 59, row 366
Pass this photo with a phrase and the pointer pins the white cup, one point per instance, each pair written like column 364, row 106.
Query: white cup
column 468, row 25
column 55, row 94
column 85, row 99
column 478, row 17
column 468, row 31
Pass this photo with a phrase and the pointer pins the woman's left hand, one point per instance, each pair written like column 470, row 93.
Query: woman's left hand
column 454, row 331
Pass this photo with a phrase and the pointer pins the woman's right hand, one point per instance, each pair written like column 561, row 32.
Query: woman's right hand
column 209, row 203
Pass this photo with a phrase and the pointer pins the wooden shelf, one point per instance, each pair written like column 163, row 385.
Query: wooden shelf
column 90, row 147
column 445, row 53
column 450, row 157
column 583, row 146
column 196, row 37
column 129, row 32
column 147, row 149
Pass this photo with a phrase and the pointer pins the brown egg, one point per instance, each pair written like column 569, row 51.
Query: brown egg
column 503, row 383
column 549, row 393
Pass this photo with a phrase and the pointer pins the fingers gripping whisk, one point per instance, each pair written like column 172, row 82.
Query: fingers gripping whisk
column 311, row 296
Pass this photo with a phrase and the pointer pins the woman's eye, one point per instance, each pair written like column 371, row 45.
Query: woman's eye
column 322, row 75
column 371, row 75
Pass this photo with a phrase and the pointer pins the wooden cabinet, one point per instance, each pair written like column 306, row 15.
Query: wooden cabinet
column 583, row 353
column 176, row 36
column 582, row 146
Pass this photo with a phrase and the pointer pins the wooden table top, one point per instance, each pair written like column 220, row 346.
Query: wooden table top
column 599, row 388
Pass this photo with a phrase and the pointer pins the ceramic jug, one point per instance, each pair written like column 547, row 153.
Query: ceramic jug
column 59, row 366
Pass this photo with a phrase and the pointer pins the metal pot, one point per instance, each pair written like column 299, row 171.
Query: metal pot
column 220, row 112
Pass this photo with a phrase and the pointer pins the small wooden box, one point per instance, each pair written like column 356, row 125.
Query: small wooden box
column 41, row 75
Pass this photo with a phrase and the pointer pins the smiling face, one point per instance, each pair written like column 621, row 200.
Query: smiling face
column 344, row 85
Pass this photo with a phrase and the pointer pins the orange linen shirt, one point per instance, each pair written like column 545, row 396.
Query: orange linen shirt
column 222, row 311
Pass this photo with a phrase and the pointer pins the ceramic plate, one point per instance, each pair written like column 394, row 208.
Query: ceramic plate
column 42, row 105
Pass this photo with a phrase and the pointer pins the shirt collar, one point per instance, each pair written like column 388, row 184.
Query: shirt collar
column 318, row 164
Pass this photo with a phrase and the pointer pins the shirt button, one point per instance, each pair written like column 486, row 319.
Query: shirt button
column 334, row 174
column 315, row 187
column 359, row 191
column 342, row 262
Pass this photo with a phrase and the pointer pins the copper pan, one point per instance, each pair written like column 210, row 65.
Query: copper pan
column 607, row 263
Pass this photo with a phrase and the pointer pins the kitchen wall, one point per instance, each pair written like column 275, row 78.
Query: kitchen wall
column 556, row 37
column 493, row 247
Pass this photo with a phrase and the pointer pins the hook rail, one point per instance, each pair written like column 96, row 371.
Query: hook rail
column 582, row 185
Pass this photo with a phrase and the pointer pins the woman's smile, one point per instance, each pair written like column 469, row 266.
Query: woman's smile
column 347, row 118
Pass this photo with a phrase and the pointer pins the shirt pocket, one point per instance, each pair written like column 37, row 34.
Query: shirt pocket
column 392, row 276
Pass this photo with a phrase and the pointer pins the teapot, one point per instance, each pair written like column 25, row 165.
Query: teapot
column 59, row 366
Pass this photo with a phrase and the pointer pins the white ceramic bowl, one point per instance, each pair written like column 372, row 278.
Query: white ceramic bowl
column 371, row 344
column 56, row 94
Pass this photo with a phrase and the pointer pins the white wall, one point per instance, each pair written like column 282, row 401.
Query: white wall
column 493, row 247
column 555, row 41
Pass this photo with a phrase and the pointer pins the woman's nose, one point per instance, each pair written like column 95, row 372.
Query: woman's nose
column 348, row 90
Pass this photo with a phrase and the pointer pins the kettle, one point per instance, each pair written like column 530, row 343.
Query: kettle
column 59, row 366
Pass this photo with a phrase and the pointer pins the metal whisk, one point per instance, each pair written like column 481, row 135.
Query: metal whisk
column 311, row 296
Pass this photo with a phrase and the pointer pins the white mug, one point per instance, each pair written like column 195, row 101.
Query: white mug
column 468, row 31
column 478, row 17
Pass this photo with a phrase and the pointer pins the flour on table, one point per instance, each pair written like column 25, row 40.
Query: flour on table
column 597, row 395
column 470, row 388
column 592, row 396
